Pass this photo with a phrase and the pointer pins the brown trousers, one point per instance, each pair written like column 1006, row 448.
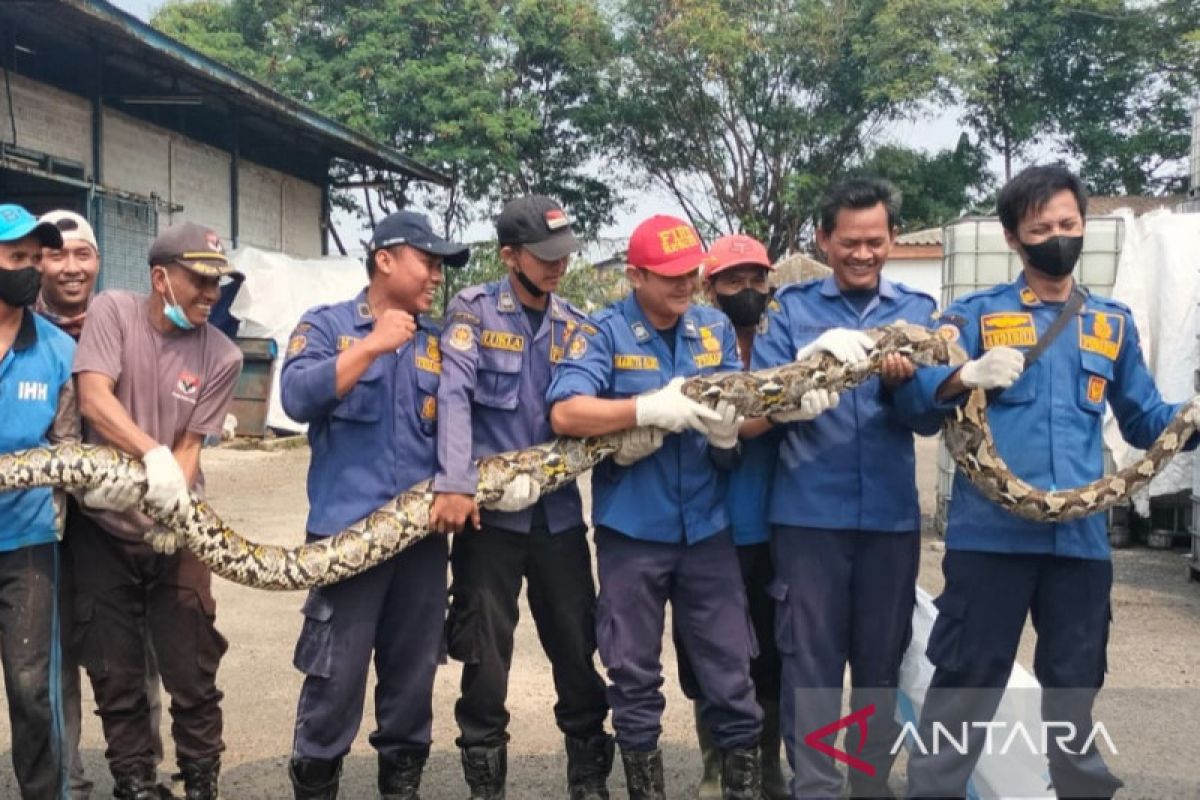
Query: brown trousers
column 124, row 592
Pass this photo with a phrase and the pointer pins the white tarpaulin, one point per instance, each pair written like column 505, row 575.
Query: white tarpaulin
column 1158, row 277
column 277, row 292
column 1015, row 773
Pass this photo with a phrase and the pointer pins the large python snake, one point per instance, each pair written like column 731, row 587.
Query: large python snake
column 552, row 465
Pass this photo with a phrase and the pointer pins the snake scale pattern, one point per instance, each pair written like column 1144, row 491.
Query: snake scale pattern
column 404, row 520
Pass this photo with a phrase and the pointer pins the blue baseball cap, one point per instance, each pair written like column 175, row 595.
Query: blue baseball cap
column 413, row 229
column 17, row 223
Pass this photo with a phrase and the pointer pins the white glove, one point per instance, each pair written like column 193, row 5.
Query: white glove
column 636, row 444
column 521, row 492
column 846, row 345
column 668, row 409
column 167, row 492
column 117, row 496
column 998, row 368
column 813, row 404
column 163, row 540
column 723, row 433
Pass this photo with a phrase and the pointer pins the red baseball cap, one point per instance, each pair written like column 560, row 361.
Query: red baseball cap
column 666, row 246
column 738, row 250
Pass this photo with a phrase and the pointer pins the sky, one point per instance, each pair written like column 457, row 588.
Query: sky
column 933, row 134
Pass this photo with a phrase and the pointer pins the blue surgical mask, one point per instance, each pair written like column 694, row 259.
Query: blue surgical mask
column 174, row 312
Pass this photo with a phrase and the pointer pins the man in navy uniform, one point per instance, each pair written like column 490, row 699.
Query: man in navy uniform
column 364, row 375
column 662, row 530
column 1046, row 412
column 501, row 342
column 843, row 511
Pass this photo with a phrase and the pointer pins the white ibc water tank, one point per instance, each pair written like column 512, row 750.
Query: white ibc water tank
column 976, row 257
column 1195, row 184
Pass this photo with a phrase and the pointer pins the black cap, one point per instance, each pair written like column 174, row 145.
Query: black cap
column 538, row 223
column 414, row 230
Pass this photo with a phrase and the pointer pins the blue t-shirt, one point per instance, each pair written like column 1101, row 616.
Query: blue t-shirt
column 32, row 375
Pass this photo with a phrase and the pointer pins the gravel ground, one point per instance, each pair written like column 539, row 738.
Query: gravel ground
column 1155, row 645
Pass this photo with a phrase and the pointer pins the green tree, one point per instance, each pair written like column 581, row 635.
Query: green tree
column 497, row 95
column 936, row 187
column 1105, row 83
column 745, row 110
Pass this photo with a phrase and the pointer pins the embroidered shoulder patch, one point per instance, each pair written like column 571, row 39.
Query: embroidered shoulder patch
column 459, row 337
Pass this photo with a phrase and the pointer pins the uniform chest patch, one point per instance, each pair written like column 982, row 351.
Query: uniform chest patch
column 707, row 359
column 1101, row 333
column 431, row 360
column 1095, row 389
column 709, row 341
column 345, row 342
column 502, row 340
column 1009, row 329
column 634, row 361
column 429, row 408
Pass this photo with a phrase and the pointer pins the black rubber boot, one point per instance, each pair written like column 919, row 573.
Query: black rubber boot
column 644, row 775
column 741, row 774
column 486, row 770
column 315, row 778
column 139, row 783
column 400, row 774
column 710, row 759
column 589, row 761
column 200, row 777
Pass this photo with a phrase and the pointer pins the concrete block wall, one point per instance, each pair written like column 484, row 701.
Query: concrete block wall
column 275, row 211
column 48, row 120
column 200, row 183
column 260, row 207
column 301, row 217
column 137, row 156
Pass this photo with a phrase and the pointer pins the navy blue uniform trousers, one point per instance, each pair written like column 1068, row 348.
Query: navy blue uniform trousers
column 754, row 560
column 703, row 583
column 396, row 610
column 973, row 645
column 844, row 597
column 488, row 566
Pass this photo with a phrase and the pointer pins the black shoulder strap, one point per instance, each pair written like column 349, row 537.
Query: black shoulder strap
column 1069, row 310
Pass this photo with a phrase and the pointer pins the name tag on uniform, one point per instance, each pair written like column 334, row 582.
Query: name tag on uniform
column 707, row 359
column 1010, row 329
column 630, row 361
column 1101, row 333
column 502, row 340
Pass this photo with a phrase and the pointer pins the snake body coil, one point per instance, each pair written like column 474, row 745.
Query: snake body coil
column 552, row 465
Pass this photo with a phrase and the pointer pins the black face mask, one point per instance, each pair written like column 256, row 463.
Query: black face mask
column 19, row 287
column 743, row 308
column 529, row 285
column 1056, row 256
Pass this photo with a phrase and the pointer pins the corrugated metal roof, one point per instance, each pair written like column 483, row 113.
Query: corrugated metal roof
column 133, row 48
